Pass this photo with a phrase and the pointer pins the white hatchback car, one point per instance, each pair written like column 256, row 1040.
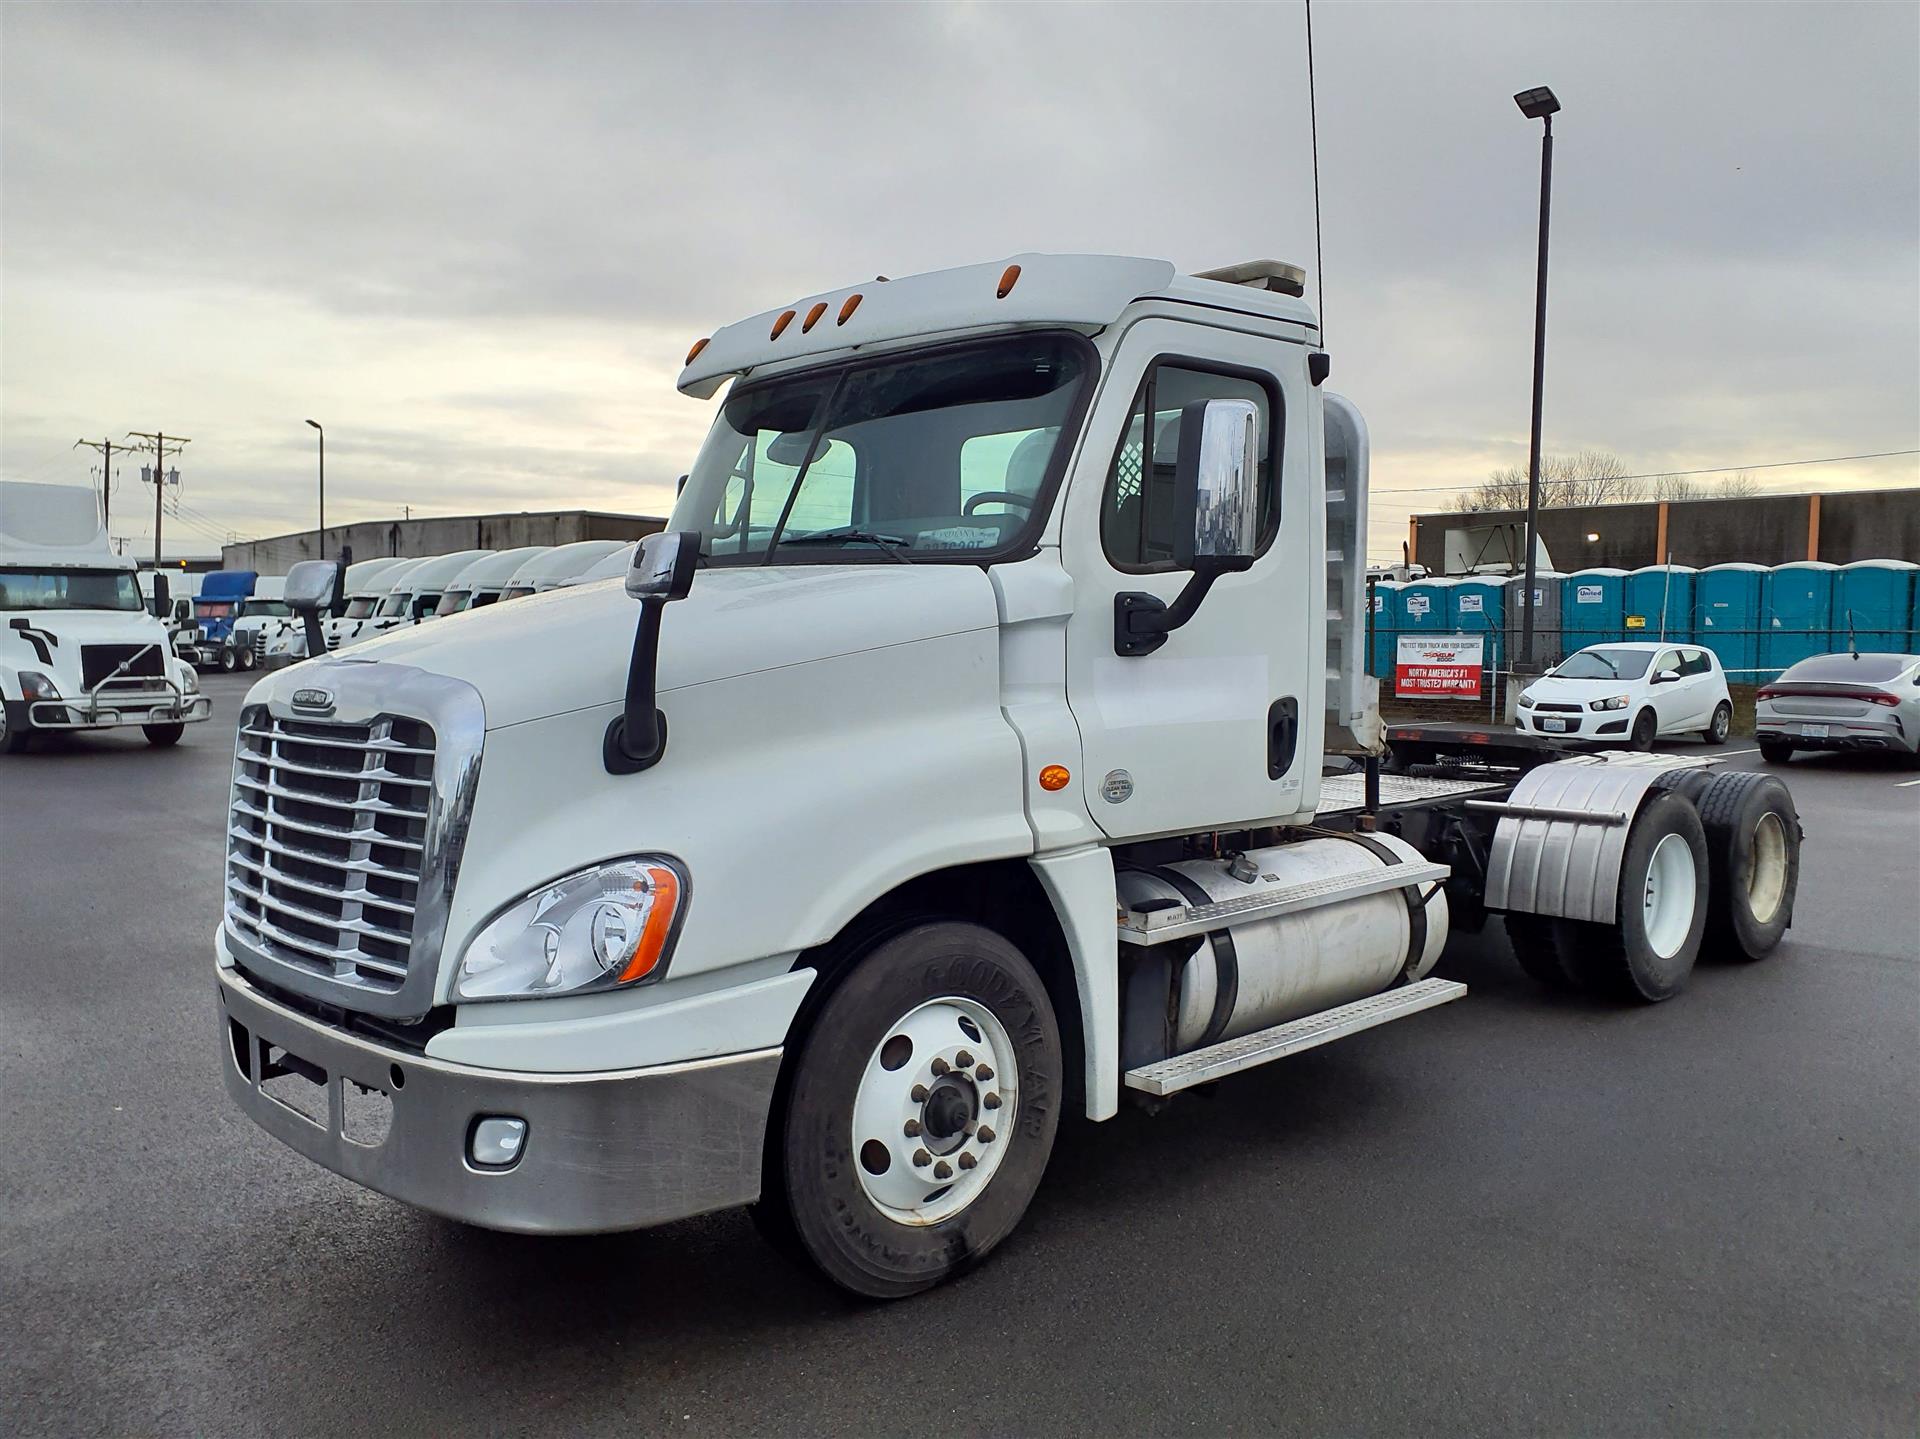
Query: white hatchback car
column 1630, row 692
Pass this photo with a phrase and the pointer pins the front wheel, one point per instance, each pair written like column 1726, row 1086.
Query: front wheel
column 162, row 736
column 1775, row 751
column 1644, row 726
column 918, row 1115
column 1720, row 725
column 13, row 738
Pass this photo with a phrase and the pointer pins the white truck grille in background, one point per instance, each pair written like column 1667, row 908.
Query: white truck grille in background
column 327, row 842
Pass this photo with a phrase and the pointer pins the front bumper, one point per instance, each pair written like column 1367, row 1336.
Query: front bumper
column 603, row 1151
column 108, row 711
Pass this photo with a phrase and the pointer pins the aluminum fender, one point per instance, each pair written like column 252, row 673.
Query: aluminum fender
column 1564, row 865
column 794, row 796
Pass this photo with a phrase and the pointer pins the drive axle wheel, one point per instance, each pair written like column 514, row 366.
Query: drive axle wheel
column 229, row 661
column 1660, row 911
column 919, row 1113
column 1535, row 941
column 1753, row 856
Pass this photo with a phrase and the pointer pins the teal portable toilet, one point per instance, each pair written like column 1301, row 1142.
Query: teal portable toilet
column 1873, row 603
column 1797, row 605
column 1425, row 604
column 1659, row 603
column 1549, row 644
column 1386, row 628
column 1593, row 606
column 1480, row 608
column 1726, row 617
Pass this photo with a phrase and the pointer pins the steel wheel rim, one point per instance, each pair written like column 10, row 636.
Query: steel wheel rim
column 1722, row 722
column 1668, row 896
column 1767, row 871
column 929, row 1130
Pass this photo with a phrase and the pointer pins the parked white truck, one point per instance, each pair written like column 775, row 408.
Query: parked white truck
column 960, row 767
column 79, row 649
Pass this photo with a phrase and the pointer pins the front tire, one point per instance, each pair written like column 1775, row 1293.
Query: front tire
column 1775, row 751
column 1720, row 726
column 1645, row 726
column 163, row 736
column 14, row 739
column 885, row 1166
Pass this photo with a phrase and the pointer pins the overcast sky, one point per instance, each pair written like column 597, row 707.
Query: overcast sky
column 476, row 242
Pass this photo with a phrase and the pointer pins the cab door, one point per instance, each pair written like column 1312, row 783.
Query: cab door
column 1220, row 725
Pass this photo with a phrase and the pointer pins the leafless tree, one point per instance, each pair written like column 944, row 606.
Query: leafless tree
column 1592, row 477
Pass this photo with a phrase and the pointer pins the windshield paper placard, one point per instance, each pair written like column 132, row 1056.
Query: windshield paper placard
column 1438, row 667
column 959, row 537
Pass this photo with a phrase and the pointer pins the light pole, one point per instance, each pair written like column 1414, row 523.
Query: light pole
column 1538, row 104
column 320, row 552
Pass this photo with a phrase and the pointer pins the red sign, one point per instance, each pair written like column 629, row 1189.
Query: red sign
column 1438, row 667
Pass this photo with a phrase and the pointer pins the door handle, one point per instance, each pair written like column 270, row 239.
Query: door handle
column 1283, row 736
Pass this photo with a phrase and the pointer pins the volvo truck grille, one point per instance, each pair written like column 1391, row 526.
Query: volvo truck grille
column 329, row 832
column 99, row 661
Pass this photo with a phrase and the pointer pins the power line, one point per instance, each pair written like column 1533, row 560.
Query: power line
column 1664, row 474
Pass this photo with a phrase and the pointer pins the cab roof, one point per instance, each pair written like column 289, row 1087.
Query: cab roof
column 1082, row 291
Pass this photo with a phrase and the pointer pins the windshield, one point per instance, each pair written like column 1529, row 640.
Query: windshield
column 425, row 604
column 1604, row 664
column 272, row 609
column 942, row 455
column 360, row 606
column 513, row 592
column 69, row 590
column 454, row 601
column 394, row 604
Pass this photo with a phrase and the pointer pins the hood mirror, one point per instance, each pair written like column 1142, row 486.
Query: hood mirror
column 309, row 590
column 662, row 572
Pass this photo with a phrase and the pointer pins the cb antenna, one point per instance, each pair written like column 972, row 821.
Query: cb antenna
column 1313, row 122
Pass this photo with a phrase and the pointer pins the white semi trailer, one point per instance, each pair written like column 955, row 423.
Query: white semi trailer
column 960, row 767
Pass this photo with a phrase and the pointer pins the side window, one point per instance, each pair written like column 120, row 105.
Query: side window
column 1669, row 660
column 1695, row 662
column 1138, row 522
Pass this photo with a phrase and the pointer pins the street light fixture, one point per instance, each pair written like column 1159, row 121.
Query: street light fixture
column 1537, row 104
column 320, row 550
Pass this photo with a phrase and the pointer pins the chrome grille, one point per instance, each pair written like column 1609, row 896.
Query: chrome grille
column 260, row 643
column 327, row 842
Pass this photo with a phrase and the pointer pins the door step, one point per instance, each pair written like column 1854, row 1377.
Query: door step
column 1230, row 1056
column 1178, row 921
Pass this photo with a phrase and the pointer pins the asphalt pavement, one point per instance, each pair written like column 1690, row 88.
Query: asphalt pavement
column 1517, row 1214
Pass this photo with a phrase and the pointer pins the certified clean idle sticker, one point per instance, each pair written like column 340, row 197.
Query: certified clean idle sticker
column 1117, row 786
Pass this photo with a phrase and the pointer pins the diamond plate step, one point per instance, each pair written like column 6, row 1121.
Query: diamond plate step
column 1160, row 926
column 1230, row 1056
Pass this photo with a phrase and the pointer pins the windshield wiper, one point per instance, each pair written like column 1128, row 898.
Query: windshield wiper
column 893, row 545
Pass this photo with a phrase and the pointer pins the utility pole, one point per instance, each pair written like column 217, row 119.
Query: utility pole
column 161, row 447
column 107, row 448
column 1537, row 104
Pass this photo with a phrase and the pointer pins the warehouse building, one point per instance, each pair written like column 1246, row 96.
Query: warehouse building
column 1838, row 527
column 441, row 535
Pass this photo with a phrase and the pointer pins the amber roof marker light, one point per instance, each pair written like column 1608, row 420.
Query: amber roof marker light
column 846, row 310
column 1009, row 277
column 698, row 346
column 780, row 325
column 813, row 316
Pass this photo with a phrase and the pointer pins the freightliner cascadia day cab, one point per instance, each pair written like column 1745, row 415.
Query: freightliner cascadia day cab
column 393, row 609
column 79, row 647
column 367, row 584
column 481, row 583
column 952, row 764
column 611, row 566
column 559, row 566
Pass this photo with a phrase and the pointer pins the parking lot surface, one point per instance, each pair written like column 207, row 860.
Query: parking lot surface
column 1516, row 1214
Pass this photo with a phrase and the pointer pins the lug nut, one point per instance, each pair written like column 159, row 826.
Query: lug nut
column 913, row 1128
column 918, row 1094
column 967, row 1161
column 921, row 1159
column 940, row 1066
column 983, row 1073
column 963, row 1059
column 986, row 1135
column 992, row 1101
column 943, row 1170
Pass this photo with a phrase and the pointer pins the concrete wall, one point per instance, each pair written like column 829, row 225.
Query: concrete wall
column 373, row 539
column 1763, row 530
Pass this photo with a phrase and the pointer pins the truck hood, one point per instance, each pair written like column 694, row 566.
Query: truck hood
column 62, row 633
column 568, row 649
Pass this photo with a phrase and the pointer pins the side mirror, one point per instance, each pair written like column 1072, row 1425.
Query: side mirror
column 1666, row 677
column 1216, row 483
column 310, row 587
column 162, row 595
column 662, row 572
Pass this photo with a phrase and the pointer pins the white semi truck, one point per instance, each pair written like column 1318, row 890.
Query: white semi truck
column 79, row 647
column 959, row 768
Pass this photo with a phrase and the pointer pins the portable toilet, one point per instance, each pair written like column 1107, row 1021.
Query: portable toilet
column 1386, row 627
column 1426, row 606
column 1549, row 644
column 1873, row 607
column 1659, row 603
column 1798, row 605
column 1478, row 606
column 1593, row 606
column 1726, row 616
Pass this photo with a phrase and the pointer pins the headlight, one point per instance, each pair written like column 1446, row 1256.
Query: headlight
column 1526, row 700
column 36, row 686
column 1611, row 702
column 189, row 680
column 601, row 928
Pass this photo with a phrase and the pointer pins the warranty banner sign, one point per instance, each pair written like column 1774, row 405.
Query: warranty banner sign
column 1438, row 667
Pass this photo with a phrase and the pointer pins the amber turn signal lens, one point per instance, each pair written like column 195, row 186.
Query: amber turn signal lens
column 1053, row 777
column 1009, row 277
column 653, row 936
column 694, row 353
column 786, row 318
column 813, row 316
column 846, row 310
